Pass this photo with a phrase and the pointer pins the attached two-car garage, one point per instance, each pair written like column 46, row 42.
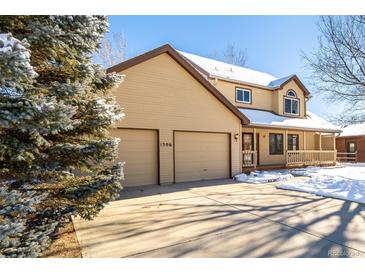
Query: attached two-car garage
column 197, row 156
column 178, row 127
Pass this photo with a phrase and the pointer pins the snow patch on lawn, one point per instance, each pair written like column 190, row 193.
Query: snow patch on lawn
column 345, row 182
column 260, row 177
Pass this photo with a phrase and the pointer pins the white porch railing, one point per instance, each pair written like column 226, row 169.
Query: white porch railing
column 310, row 157
column 249, row 158
column 347, row 156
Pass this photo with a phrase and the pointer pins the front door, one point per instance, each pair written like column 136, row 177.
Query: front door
column 247, row 145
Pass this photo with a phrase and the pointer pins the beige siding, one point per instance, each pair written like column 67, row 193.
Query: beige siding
column 280, row 98
column 138, row 150
column 261, row 98
column 327, row 142
column 160, row 94
column 311, row 140
column 265, row 99
column 201, row 156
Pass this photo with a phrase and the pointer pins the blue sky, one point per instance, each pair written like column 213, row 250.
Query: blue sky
column 273, row 43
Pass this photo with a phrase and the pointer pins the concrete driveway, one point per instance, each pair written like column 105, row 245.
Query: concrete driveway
column 223, row 218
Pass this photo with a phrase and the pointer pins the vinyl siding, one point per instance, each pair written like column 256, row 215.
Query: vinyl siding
column 160, row 94
column 265, row 99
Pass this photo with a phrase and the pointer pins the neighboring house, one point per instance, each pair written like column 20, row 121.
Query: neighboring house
column 191, row 118
column 351, row 143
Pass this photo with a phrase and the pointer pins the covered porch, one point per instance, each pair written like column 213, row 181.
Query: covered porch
column 277, row 141
column 274, row 148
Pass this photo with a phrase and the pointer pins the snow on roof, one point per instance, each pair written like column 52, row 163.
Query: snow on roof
column 228, row 71
column 269, row 119
column 278, row 82
column 353, row 130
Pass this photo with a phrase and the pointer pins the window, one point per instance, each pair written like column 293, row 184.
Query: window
column 293, row 142
column 243, row 95
column 291, row 93
column 247, row 141
column 291, row 103
column 351, row 147
column 276, row 143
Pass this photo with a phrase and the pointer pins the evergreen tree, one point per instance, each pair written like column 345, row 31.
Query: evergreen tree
column 54, row 118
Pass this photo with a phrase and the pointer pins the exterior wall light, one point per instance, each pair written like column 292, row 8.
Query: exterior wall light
column 236, row 136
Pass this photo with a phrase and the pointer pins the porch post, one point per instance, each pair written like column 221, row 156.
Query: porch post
column 320, row 148
column 334, row 148
column 304, row 141
column 254, row 148
column 286, row 147
column 320, row 141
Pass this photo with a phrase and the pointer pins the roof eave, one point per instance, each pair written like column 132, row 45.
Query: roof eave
column 252, row 124
column 188, row 67
column 211, row 76
column 351, row 136
column 294, row 77
column 299, row 83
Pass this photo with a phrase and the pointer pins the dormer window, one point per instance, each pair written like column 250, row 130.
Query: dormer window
column 243, row 95
column 291, row 103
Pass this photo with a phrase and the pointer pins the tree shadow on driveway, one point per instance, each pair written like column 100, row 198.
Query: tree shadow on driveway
column 223, row 219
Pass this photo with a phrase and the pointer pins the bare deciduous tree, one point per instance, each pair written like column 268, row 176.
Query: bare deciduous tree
column 235, row 56
column 338, row 65
column 112, row 50
column 232, row 55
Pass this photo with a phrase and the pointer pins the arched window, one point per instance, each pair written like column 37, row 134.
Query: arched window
column 291, row 103
column 291, row 93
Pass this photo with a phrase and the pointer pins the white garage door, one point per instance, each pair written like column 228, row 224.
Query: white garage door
column 201, row 156
column 138, row 149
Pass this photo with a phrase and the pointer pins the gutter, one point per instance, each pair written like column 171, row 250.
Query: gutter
column 293, row 127
column 213, row 77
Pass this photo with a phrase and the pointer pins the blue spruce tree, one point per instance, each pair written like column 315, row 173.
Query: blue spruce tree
column 55, row 112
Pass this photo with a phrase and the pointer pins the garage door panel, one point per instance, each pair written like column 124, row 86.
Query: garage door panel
column 138, row 149
column 201, row 156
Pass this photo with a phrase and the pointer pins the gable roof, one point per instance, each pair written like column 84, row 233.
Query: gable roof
column 225, row 71
column 216, row 68
column 188, row 67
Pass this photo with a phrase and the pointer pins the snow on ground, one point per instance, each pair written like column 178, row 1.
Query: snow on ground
column 259, row 177
column 346, row 182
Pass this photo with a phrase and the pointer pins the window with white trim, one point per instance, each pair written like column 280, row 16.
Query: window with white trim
column 243, row 95
column 291, row 93
column 276, row 143
column 291, row 103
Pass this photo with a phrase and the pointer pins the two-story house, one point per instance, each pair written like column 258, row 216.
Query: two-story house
column 191, row 118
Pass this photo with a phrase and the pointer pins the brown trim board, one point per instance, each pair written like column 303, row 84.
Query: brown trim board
column 188, row 67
